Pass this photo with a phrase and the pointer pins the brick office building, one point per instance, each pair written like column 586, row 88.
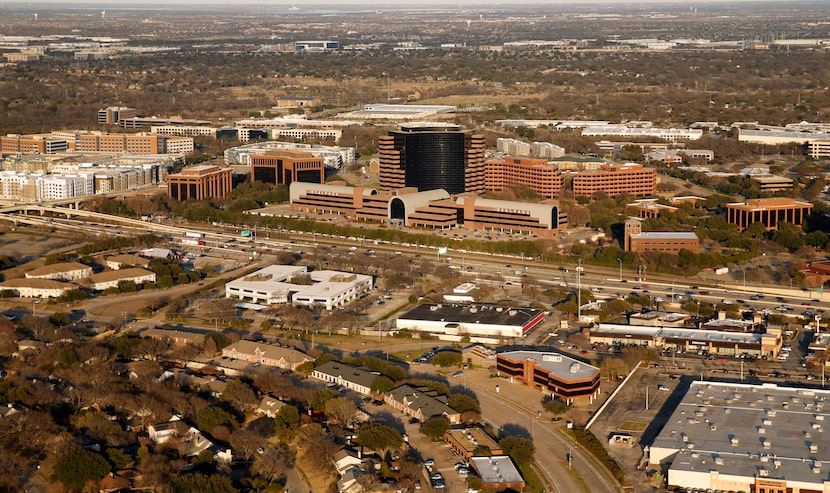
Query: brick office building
column 286, row 167
column 770, row 212
column 539, row 175
column 617, row 179
column 200, row 183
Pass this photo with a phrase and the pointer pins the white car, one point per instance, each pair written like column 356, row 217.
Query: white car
column 663, row 388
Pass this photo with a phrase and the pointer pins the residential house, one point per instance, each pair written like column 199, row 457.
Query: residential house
column 7, row 410
column 194, row 441
column 269, row 406
column 346, row 458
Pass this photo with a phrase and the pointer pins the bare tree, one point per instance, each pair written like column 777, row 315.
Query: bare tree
column 341, row 411
column 319, row 446
column 245, row 443
column 270, row 465
column 240, row 395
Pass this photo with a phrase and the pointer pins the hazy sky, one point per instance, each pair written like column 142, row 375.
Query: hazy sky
column 381, row 3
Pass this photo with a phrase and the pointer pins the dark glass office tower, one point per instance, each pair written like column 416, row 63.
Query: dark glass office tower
column 429, row 156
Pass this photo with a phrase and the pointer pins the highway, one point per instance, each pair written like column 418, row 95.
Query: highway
column 498, row 409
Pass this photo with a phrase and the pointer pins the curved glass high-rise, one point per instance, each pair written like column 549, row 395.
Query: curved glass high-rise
column 429, row 156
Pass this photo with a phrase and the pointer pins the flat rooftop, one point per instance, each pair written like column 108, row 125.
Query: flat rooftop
column 666, row 235
column 496, row 469
column 557, row 364
column 678, row 333
column 750, row 431
column 476, row 313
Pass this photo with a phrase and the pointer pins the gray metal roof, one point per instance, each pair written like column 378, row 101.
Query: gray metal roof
column 751, row 431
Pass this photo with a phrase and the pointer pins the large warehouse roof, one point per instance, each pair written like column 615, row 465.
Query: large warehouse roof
column 746, row 432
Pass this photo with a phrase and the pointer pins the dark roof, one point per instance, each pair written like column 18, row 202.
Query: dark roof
column 423, row 398
column 359, row 376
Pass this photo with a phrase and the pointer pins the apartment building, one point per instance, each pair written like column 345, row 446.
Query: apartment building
column 617, row 179
column 546, row 150
column 513, row 147
column 56, row 187
column 537, row 174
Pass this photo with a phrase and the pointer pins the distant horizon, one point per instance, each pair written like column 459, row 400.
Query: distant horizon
column 376, row 3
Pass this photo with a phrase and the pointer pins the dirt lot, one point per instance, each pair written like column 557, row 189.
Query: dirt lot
column 640, row 409
column 26, row 247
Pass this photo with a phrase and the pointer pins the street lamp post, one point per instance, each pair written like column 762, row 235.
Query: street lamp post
column 620, row 261
column 579, row 291
column 388, row 92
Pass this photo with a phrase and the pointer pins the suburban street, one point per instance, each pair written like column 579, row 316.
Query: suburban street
column 517, row 409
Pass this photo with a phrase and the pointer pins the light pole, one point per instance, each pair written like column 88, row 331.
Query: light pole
column 744, row 272
column 579, row 292
column 388, row 93
column 620, row 261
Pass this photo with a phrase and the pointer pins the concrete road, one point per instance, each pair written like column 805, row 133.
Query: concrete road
column 517, row 408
